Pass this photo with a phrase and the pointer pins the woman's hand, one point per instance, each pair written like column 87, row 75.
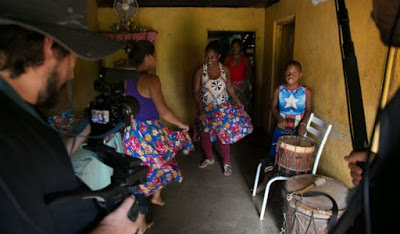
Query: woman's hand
column 184, row 126
column 239, row 104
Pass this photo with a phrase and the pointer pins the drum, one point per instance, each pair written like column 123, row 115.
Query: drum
column 294, row 154
column 312, row 214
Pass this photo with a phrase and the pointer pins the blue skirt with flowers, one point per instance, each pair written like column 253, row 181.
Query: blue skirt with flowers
column 223, row 121
column 156, row 146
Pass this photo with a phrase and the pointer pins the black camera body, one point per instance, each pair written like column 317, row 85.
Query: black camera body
column 111, row 108
column 110, row 111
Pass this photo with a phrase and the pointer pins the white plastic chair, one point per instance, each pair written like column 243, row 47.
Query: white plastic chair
column 318, row 131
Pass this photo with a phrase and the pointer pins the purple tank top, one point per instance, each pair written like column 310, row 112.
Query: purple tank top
column 147, row 109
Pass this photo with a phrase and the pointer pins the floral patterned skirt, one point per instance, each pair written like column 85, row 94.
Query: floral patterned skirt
column 156, row 146
column 225, row 121
column 65, row 122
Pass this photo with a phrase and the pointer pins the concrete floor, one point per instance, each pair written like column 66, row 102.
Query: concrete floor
column 208, row 202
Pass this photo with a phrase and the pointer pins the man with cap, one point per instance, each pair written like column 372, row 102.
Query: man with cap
column 366, row 214
column 40, row 41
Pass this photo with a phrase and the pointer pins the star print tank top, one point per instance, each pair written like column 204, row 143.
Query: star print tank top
column 213, row 92
column 292, row 102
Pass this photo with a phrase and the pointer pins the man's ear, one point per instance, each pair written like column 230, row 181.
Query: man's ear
column 47, row 45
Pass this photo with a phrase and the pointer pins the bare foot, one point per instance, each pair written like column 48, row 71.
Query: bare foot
column 158, row 201
column 144, row 226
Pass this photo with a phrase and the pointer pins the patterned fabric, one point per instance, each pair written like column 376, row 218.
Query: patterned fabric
column 156, row 146
column 223, row 120
column 65, row 122
column 243, row 93
column 213, row 92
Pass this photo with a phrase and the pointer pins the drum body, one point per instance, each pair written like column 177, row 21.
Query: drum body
column 312, row 214
column 295, row 154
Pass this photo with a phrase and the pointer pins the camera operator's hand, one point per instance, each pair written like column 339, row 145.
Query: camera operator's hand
column 355, row 170
column 118, row 221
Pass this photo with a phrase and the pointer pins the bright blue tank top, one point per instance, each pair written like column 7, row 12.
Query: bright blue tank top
column 147, row 109
column 292, row 102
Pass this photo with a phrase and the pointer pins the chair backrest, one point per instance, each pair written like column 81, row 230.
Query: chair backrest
column 317, row 130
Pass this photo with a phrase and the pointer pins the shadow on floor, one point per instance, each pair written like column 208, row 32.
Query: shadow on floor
column 208, row 202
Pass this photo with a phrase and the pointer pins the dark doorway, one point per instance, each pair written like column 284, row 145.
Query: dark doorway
column 283, row 53
column 284, row 42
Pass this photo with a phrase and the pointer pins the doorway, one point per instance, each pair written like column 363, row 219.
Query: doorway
column 248, row 40
column 284, row 44
column 283, row 53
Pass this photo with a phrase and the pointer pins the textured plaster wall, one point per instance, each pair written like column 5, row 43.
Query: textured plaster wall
column 316, row 46
column 180, row 44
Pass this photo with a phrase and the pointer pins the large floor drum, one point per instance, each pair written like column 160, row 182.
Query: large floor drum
column 312, row 214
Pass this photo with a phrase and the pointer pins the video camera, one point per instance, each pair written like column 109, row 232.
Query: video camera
column 108, row 113
column 111, row 109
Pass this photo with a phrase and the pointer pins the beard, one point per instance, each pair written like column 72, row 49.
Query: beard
column 49, row 95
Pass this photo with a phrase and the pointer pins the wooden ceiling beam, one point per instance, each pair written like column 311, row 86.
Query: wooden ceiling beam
column 196, row 3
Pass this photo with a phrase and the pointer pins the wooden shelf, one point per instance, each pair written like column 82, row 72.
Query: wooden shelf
column 149, row 35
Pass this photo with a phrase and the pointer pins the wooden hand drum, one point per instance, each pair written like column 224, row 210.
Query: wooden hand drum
column 295, row 154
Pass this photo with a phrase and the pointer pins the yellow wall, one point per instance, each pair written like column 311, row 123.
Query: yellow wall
column 180, row 44
column 316, row 47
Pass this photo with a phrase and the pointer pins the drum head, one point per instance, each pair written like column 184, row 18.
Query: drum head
column 320, row 205
column 296, row 143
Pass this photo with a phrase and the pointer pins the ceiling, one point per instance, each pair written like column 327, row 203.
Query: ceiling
column 196, row 3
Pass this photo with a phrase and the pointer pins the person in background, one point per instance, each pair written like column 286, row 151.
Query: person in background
column 217, row 119
column 241, row 73
column 382, row 165
column 291, row 106
column 39, row 46
column 147, row 137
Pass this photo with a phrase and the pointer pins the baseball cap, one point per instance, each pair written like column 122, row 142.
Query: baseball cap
column 62, row 20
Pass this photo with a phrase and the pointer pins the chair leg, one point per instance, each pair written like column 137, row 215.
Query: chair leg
column 264, row 204
column 256, row 179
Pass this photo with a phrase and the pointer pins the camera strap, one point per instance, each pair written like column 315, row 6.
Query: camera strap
column 116, row 128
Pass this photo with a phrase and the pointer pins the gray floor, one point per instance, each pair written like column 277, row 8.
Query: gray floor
column 208, row 202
